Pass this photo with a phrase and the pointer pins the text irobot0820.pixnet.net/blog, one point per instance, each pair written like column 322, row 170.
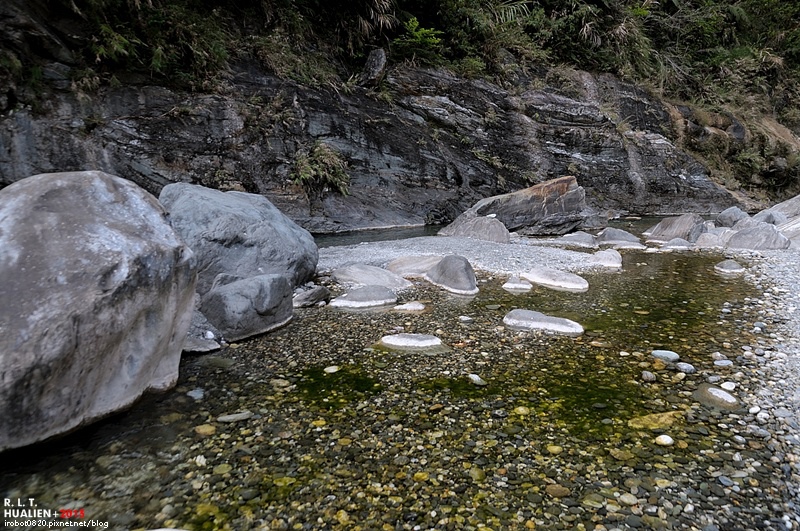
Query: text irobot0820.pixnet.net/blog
column 26, row 513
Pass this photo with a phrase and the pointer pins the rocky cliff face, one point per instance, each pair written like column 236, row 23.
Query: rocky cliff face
column 421, row 148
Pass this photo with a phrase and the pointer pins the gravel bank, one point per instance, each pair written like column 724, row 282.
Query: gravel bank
column 483, row 255
column 777, row 274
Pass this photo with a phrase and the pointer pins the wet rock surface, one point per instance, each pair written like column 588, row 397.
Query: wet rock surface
column 505, row 430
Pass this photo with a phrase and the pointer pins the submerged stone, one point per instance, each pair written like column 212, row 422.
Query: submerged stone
column 712, row 396
column 477, row 380
column 666, row 355
column 516, row 285
column 531, row 320
column 729, row 267
column 413, row 306
column 414, row 342
column 655, row 421
column 557, row 279
column 365, row 297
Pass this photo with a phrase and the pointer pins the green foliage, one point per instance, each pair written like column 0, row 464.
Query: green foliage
column 287, row 60
column 320, row 170
column 423, row 45
column 184, row 41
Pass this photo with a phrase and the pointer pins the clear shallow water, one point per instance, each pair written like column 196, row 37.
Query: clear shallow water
column 374, row 235
column 312, row 435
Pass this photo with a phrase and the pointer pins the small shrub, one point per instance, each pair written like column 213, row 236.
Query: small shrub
column 423, row 45
column 321, row 170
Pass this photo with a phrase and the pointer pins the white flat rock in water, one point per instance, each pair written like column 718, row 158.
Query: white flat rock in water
column 517, row 285
column 412, row 342
column 609, row 258
column 729, row 268
column 626, row 245
column 666, row 355
column 367, row 275
column 556, row 279
column 366, row 297
column 235, row 417
column 531, row 320
column 413, row 306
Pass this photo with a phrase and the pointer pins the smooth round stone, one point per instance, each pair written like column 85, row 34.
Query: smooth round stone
column 330, row 369
column 455, row 274
column 477, row 380
column 666, row 355
column 728, row 386
column 557, row 279
column 687, row 368
column 411, row 341
column 664, row 440
column 648, row 376
column 530, row 320
column 723, row 363
column 205, row 429
column 554, row 449
column 627, row 498
column 712, row 396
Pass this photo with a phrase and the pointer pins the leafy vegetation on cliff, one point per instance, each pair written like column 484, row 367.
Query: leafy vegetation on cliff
column 723, row 57
column 692, row 49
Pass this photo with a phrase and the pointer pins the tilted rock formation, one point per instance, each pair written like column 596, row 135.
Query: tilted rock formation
column 553, row 207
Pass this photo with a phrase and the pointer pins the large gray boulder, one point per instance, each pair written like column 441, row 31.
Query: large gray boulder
column 239, row 234
column 455, row 274
column 762, row 236
column 244, row 307
column 97, row 294
column 773, row 217
column 688, row 227
column 730, row 216
column 487, row 228
column 553, row 207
